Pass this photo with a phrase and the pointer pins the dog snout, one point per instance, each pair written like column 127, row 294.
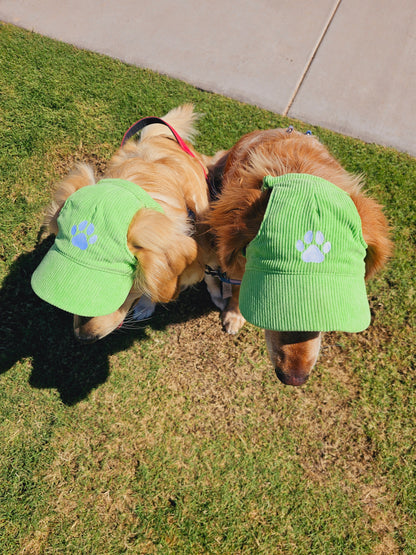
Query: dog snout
column 86, row 339
column 292, row 377
column 83, row 331
column 293, row 354
column 89, row 330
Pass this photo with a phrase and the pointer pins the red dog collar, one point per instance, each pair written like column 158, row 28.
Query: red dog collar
column 144, row 122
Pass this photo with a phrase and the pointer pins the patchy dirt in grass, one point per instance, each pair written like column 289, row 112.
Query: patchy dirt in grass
column 179, row 391
column 180, row 382
column 218, row 385
column 64, row 162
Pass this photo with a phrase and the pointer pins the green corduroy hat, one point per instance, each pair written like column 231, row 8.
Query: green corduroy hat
column 305, row 267
column 89, row 269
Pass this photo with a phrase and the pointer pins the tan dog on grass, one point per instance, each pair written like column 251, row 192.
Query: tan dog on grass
column 159, row 256
column 237, row 221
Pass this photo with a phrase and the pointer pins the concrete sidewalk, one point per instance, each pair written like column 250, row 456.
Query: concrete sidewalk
column 347, row 65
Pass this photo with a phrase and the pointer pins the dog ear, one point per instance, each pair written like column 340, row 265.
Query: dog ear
column 216, row 166
column 235, row 224
column 163, row 251
column 375, row 232
column 81, row 176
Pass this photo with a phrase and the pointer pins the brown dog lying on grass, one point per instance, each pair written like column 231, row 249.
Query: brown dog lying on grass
column 128, row 238
column 297, row 229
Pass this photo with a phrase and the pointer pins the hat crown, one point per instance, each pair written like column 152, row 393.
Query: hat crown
column 310, row 239
column 94, row 221
column 310, row 226
column 89, row 270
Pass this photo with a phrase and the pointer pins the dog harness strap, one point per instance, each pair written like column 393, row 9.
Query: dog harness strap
column 222, row 276
column 144, row 122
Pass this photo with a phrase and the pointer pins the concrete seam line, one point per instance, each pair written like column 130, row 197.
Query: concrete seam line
column 311, row 58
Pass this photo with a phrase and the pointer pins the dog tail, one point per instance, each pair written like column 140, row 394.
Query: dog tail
column 183, row 119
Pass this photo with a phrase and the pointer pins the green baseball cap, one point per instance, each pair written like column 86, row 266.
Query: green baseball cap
column 305, row 267
column 89, row 269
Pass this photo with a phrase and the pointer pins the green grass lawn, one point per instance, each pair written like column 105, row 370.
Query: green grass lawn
column 175, row 438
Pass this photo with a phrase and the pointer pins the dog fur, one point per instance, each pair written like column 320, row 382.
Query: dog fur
column 235, row 218
column 168, row 257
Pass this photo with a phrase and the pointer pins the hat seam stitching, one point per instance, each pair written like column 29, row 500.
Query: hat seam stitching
column 309, row 274
column 92, row 267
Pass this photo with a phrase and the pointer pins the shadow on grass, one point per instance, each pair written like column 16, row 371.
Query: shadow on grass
column 31, row 328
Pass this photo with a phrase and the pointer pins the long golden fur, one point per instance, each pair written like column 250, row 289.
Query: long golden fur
column 168, row 256
column 235, row 218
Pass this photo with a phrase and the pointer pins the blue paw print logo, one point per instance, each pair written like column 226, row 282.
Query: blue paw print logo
column 313, row 252
column 82, row 235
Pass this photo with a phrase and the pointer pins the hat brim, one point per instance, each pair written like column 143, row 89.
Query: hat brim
column 77, row 289
column 283, row 302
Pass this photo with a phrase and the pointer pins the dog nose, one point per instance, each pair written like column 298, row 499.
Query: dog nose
column 293, row 354
column 86, row 339
column 81, row 331
column 291, row 379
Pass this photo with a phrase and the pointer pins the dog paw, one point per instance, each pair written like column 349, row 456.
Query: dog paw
column 82, row 236
column 313, row 252
column 143, row 309
column 232, row 321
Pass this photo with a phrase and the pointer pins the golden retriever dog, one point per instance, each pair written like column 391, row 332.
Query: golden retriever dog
column 168, row 257
column 235, row 218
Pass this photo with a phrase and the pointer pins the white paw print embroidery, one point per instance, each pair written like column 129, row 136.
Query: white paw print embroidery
column 313, row 252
